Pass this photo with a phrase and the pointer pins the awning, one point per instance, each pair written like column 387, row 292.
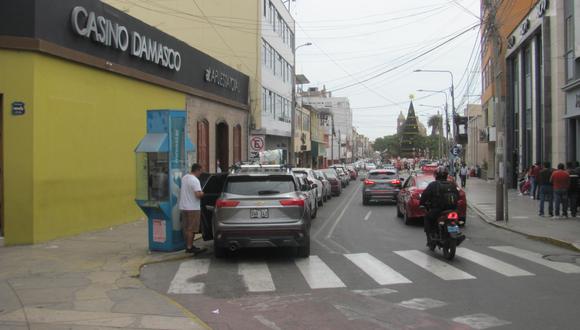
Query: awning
column 154, row 142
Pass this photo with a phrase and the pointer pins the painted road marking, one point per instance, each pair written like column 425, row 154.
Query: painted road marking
column 368, row 215
column 480, row 321
column 333, row 227
column 374, row 292
column 256, row 276
column 435, row 266
column 422, row 304
column 188, row 270
column 492, row 263
column 373, row 267
column 537, row 258
column 318, row 274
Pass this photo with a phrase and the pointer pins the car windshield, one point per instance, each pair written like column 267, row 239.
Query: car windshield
column 260, row 185
column 382, row 176
column 330, row 174
column 423, row 182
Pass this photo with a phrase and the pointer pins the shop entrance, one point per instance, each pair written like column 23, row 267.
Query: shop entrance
column 1, row 166
column 222, row 148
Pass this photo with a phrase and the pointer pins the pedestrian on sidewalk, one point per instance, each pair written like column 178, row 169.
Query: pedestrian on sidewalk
column 546, row 193
column 190, row 207
column 533, row 176
column 573, row 190
column 463, row 175
column 560, row 180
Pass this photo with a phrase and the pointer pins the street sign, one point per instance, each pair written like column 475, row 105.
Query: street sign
column 18, row 108
column 455, row 151
column 257, row 145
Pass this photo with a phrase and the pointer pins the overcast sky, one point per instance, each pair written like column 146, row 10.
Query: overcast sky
column 354, row 40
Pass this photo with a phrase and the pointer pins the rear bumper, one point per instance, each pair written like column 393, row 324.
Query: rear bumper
column 381, row 195
column 243, row 236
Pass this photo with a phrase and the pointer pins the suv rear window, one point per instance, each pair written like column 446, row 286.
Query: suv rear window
column 260, row 185
column 382, row 176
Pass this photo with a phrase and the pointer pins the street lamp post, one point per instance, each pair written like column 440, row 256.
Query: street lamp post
column 293, row 110
column 452, row 92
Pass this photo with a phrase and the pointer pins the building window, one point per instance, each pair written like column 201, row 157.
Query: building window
column 306, row 123
column 203, row 144
column 569, row 35
column 527, row 115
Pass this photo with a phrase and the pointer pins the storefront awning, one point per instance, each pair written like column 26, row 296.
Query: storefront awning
column 154, row 142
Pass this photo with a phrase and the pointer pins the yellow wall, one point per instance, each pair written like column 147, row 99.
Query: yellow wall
column 236, row 43
column 87, row 123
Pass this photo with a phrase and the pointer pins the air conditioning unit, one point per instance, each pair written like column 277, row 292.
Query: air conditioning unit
column 491, row 136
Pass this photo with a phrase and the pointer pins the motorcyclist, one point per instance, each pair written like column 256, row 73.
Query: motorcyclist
column 430, row 198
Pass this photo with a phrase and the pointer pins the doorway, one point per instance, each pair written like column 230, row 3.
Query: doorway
column 222, row 148
column 203, row 145
column 1, row 166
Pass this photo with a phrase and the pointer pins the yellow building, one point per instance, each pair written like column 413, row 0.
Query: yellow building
column 302, row 137
column 73, row 101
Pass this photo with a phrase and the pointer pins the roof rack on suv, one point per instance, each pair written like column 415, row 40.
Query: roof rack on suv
column 261, row 168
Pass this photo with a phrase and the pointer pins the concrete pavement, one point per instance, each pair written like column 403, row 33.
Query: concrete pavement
column 523, row 215
column 86, row 282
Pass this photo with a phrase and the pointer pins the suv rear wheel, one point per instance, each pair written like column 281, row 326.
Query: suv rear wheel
column 304, row 250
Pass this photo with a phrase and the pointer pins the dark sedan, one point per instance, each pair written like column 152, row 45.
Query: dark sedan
column 335, row 181
column 381, row 185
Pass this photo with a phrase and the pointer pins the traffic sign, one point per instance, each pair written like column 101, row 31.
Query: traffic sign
column 455, row 151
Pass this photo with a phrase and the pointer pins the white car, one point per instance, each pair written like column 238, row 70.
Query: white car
column 312, row 177
column 370, row 166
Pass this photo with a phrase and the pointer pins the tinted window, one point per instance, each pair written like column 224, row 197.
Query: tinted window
column 260, row 185
column 382, row 176
column 214, row 185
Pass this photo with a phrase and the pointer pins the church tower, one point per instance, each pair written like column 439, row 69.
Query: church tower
column 409, row 134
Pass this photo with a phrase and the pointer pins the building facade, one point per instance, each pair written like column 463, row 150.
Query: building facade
column 476, row 153
column 74, row 96
column 341, row 120
column 571, row 83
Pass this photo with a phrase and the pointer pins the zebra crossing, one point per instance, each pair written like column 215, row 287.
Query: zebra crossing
column 317, row 274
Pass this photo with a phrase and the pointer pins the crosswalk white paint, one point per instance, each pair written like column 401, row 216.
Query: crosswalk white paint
column 187, row 270
column 492, row 263
column 537, row 258
column 317, row 274
column 435, row 266
column 256, row 276
column 378, row 271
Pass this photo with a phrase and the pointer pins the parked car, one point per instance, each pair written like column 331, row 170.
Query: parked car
column 262, row 209
column 319, row 186
column 381, row 185
column 335, row 181
column 342, row 174
column 312, row 192
column 327, row 193
column 352, row 172
column 410, row 196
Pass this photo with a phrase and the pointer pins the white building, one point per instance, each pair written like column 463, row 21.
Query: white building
column 341, row 117
column 277, row 67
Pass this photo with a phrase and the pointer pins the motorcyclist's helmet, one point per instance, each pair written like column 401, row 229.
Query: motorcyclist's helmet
column 441, row 173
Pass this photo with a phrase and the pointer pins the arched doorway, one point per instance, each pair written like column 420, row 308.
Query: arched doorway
column 222, row 148
column 203, row 144
column 237, row 143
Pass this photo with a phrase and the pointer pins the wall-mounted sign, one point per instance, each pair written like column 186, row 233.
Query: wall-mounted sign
column 104, row 31
column 542, row 7
column 525, row 27
column 222, row 79
column 257, row 145
column 18, row 108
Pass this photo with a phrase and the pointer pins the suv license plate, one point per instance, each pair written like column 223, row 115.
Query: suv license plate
column 259, row 213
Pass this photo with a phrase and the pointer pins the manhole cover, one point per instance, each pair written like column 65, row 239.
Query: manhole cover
column 570, row 258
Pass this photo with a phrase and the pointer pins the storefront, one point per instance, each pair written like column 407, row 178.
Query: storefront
column 572, row 118
column 76, row 79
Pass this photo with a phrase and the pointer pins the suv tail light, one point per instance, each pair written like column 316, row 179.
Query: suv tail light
column 452, row 216
column 368, row 182
column 292, row 202
column 226, row 203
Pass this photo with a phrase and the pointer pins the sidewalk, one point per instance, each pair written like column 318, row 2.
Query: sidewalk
column 523, row 215
column 86, row 282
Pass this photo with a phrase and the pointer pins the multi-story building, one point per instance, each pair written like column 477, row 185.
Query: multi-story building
column 341, row 120
column 476, row 150
column 500, row 19
column 253, row 36
column 570, row 23
column 302, row 137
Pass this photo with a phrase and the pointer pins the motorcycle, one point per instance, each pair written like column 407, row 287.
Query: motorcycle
column 448, row 236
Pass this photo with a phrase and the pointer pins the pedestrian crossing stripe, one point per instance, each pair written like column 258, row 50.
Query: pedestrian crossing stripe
column 257, row 278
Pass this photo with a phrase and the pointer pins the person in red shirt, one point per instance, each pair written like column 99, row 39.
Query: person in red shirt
column 533, row 175
column 560, row 180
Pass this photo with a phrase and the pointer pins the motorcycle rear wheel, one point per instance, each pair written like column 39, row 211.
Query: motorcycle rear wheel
column 449, row 249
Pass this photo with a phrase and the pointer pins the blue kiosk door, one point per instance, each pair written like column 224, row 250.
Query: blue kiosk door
column 163, row 157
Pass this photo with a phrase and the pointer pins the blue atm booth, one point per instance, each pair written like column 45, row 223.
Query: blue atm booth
column 163, row 157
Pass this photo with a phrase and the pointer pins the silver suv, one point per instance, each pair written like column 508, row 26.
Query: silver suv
column 262, row 207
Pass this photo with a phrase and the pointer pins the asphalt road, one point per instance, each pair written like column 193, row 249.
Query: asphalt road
column 370, row 271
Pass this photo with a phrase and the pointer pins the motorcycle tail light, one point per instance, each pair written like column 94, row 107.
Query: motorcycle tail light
column 226, row 203
column 452, row 216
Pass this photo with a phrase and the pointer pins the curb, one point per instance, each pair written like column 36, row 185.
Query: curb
column 546, row 239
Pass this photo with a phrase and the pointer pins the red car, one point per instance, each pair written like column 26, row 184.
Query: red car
column 410, row 196
column 429, row 168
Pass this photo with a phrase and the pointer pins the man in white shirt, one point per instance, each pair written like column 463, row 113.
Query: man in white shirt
column 190, row 206
column 463, row 175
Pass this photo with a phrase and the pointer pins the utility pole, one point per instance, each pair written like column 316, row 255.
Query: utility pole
column 502, row 210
